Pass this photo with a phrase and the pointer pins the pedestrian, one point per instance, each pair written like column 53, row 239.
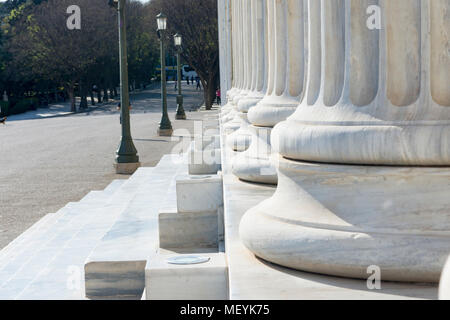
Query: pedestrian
column 219, row 101
column 192, row 80
column 197, row 79
column 187, row 80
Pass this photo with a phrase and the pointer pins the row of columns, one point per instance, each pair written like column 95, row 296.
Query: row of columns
column 353, row 123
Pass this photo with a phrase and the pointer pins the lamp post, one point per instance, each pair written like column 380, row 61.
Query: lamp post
column 165, row 127
column 127, row 160
column 181, row 115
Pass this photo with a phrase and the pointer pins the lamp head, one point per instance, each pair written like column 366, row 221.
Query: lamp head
column 161, row 20
column 113, row 3
column 177, row 39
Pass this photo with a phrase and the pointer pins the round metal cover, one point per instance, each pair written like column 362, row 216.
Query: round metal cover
column 184, row 260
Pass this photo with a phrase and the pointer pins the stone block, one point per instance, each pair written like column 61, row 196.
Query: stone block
column 199, row 193
column 126, row 168
column 204, row 281
column 206, row 161
column 188, row 230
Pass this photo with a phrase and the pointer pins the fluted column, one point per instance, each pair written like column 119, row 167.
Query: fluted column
column 364, row 166
column 245, row 49
column 256, row 82
column 237, row 56
column 245, row 68
column 285, row 86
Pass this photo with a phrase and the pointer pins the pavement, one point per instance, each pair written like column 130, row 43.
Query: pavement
column 46, row 163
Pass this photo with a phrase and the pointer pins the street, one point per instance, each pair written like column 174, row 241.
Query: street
column 46, row 163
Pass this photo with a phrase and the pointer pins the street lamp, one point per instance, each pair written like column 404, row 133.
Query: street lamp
column 165, row 127
column 181, row 115
column 127, row 160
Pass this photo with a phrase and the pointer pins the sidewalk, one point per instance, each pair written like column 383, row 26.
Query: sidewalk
column 63, row 109
column 56, row 110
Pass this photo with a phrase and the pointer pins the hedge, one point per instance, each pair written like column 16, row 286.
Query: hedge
column 4, row 106
column 24, row 105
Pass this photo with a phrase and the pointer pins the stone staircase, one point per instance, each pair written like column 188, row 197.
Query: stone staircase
column 99, row 247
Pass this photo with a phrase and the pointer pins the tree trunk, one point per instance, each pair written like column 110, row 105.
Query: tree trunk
column 99, row 95
column 209, row 92
column 83, row 96
column 71, row 93
column 91, row 93
column 105, row 95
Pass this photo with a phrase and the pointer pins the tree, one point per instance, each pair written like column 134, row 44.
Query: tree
column 43, row 46
column 39, row 53
column 143, row 49
column 196, row 20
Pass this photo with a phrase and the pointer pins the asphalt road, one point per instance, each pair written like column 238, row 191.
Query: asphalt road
column 46, row 163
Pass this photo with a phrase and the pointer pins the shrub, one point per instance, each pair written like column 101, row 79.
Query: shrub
column 34, row 103
column 4, row 106
column 22, row 106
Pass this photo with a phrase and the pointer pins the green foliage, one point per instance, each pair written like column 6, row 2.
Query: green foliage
column 24, row 105
column 4, row 106
column 196, row 20
column 39, row 53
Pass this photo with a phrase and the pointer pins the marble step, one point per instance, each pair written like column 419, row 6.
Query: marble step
column 62, row 277
column 44, row 223
column 35, row 234
column 19, row 272
column 114, row 186
column 116, row 267
column 22, row 241
column 44, row 261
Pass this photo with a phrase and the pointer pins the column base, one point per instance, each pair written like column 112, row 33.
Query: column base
column 341, row 219
column 232, row 125
column 165, row 132
column 444, row 284
column 240, row 139
column 126, row 168
column 229, row 116
column 250, row 101
column 180, row 117
column 272, row 110
column 255, row 165
column 239, row 96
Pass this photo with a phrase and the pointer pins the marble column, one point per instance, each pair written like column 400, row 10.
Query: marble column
column 285, row 79
column 364, row 162
column 228, row 111
column 240, row 139
column 246, row 70
column 444, row 283
column 225, row 47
